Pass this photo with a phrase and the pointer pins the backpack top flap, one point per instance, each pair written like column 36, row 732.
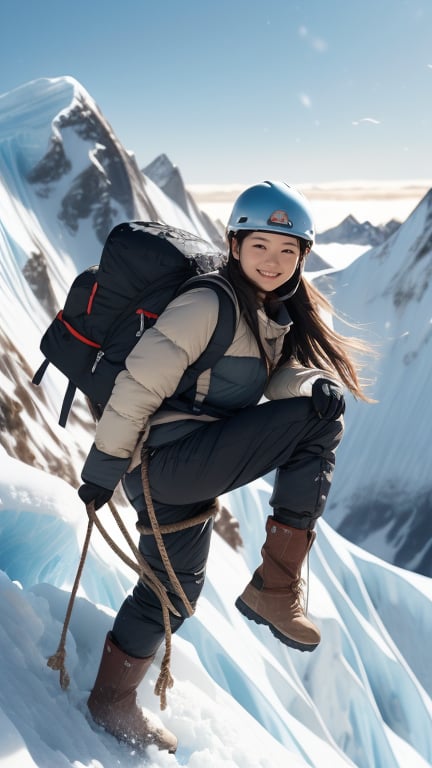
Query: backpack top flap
column 135, row 256
column 143, row 261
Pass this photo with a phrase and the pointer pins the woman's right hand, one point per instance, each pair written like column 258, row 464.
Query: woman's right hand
column 89, row 492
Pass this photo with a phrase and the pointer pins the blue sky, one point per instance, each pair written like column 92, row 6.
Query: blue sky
column 235, row 90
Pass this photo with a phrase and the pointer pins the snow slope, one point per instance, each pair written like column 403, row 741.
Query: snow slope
column 240, row 698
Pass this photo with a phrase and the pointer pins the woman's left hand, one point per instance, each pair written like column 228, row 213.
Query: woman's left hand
column 328, row 399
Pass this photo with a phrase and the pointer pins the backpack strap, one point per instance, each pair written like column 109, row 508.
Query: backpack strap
column 67, row 403
column 220, row 341
column 37, row 378
column 227, row 319
column 69, row 394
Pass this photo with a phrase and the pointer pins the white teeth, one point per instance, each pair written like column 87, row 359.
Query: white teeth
column 268, row 274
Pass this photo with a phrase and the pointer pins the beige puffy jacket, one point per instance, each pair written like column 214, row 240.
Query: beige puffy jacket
column 158, row 361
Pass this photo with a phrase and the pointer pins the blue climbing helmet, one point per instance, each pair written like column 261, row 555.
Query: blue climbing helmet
column 273, row 206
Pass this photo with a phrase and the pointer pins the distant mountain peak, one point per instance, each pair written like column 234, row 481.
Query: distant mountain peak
column 160, row 169
column 352, row 231
column 168, row 177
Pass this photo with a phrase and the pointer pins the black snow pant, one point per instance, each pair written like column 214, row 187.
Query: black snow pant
column 186, row 476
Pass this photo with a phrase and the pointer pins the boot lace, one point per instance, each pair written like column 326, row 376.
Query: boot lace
column 300, row 588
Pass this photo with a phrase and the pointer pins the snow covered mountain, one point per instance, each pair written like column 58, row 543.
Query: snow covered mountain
column 381, row 497
column 363, row 699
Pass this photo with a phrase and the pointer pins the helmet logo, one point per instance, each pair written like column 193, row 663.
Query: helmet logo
column 280, row 217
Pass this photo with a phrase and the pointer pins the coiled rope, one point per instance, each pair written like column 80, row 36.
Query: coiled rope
column 145, row 574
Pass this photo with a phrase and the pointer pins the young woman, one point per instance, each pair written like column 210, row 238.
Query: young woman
column 282, row 350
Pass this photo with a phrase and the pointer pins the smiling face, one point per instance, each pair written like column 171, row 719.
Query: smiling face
column 267, row 259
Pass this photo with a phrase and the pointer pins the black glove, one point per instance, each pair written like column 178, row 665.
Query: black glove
column 328, row 399
column 90, row 492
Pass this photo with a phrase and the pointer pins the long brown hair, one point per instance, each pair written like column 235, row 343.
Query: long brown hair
column 311, row 340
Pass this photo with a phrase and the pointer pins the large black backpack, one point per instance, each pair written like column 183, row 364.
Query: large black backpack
column 143, row 266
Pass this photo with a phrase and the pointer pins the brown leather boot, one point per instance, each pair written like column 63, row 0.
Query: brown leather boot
column 274, row 596
column 112, row 702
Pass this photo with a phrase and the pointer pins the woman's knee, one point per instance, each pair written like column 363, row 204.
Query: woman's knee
column 139, row 627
